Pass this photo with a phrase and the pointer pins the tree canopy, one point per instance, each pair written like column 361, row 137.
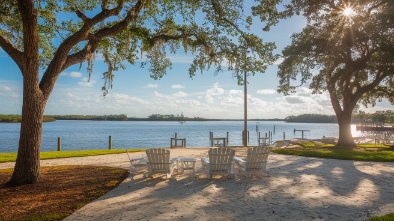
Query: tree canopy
column 216, row 32
column 346, row 49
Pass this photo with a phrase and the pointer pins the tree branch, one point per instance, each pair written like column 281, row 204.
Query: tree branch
column 219, row 11
column 62, row 60
column 82, row 16
column 30, row 39
column 372, row 85
column 14, row 53
column 104, row 4
column 94, row 39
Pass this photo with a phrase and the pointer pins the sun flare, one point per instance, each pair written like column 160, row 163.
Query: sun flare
column 348, row 11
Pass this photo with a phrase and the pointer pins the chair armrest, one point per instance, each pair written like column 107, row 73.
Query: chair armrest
column 204, row 160
column 239, row 159
column 138, row 158
column 173, row 160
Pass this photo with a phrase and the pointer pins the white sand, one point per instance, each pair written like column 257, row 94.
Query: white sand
column 299, row 188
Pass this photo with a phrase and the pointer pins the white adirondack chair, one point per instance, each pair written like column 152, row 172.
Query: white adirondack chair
column 255, row 162
column 159, row 162
column 220, row 162
column 137, row 162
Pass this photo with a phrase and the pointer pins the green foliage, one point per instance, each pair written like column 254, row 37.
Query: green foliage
column 312, row 118
column 111, row 117
column 13, row 118
column 127, row 31
column 377, row 117
column 348, row 56
column 375, row 146
column 313, row 144
column 368, row 152
column 11, row 157
column 387, row 217
column 342, row 154
column 360, row 117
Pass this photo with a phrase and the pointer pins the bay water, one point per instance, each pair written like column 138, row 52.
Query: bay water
column 93, row 135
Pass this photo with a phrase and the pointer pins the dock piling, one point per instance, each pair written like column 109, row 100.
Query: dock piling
column 59, row 143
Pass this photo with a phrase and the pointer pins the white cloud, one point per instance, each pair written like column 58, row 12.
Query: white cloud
column 14, row 95
column 8, row 92
column 158, row 95
column 5, row 88
column 181, row 59
column 295, row 100
column 180, row 94
column 279, row 61
column 304, row 91
column 215, row 90
column 123, row 99
column 177, row 86
column 86, row 83
column 75, row 74
column 151, row 86
column 266, row 91
column 234, row 92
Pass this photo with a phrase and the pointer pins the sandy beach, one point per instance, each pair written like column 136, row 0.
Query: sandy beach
column 299, row 188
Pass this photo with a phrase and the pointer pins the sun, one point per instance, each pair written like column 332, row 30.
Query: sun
column 348, row 11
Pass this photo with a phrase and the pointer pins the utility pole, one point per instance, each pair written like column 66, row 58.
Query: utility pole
column 245, row 134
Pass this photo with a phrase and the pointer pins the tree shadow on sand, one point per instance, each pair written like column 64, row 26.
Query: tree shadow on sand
column 299, row 188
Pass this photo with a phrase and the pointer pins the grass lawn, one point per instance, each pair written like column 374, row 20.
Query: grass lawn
column 365, row 152
column 11, row 157
column 387, row 217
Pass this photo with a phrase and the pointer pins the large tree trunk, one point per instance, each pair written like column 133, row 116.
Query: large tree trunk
column 345, row 139
column 27, row 166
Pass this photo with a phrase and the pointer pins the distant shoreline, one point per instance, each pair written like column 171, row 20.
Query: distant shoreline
column 122, row 117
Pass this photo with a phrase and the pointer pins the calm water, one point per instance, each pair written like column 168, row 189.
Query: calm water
column 77, row 135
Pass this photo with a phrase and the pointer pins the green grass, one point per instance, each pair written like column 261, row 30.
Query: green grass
column 387, row 217
column 379, row 146
column 365, row 152
column 11, row 157
column 360, row 155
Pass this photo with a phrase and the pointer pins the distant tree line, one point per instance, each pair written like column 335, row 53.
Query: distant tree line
column 112, row 117
column 14, row 118
column 377, row 117
column 360, row 117
column 170, row 117
column 311, row 118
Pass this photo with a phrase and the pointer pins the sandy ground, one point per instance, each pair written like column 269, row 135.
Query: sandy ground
column 299, row 188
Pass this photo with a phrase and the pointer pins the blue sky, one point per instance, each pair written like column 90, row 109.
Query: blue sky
column 136, row 94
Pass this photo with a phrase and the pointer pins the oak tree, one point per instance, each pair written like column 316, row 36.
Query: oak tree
column 346, row 49
column 48, row 36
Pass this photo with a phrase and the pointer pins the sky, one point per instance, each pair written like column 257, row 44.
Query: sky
column 135, row 94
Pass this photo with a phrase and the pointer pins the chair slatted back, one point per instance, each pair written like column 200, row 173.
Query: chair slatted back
column 159, row 159
column 220, row 159
column 256, row 157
